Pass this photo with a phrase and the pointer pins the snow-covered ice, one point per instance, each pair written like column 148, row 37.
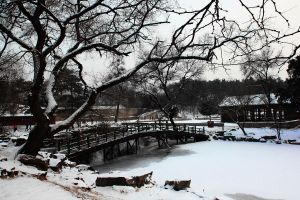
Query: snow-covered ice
column 266, row 170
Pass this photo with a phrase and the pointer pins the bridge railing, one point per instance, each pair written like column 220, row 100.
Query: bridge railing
column 75, row 141
column 69, row 145
column 160, row 126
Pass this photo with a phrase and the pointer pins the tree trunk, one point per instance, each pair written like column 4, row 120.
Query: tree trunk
column 173, row 123
column 117, row 111
column 35, row 139
column 242, row 127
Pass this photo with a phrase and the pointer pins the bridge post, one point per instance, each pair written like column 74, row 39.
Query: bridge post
column 79, row 141
column 166, row 136
column 58, row 145
column 138, row 124
column 68, row 145
column 195, row 131
column 184, row 127
column 104, row 155
column 167, row 125
column 136, row 145
column 158, row 142
column 112, row 151
column 154, row 125
column 127, row 147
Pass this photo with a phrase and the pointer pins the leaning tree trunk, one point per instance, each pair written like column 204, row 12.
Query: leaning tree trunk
column 35, row 139
column 173, row 123
column 242, row 127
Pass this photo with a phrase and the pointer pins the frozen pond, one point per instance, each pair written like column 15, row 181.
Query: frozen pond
column 239, row 170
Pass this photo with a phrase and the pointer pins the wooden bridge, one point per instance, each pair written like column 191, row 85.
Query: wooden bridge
column 80, row 144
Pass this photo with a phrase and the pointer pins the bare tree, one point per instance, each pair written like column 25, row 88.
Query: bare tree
column 155, row 81
column 264, row 67
column 51, row 34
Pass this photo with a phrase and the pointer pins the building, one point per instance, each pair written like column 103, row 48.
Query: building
column 256, row 108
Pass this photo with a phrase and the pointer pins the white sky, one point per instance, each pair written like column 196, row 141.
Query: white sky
column 290, row 9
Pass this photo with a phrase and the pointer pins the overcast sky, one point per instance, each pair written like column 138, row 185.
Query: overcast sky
column 290, row 8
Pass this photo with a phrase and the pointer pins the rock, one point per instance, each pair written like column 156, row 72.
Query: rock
column 251, row 139
column 215, row 137
column 295, row 143
column 230, row 137
column 220, row 133
column 139, row 181
column 20, row 141
column 42, row 176
column 68, row 163
column 3, row 159
column 179, row 185
column 136, row 181
column 83, row 167
column 55, row 164
column 221, row 138
column 269, row 137
column 110, row 181
column 262, row 140
column 43, row 155
column 9, row 174
column 33, row 161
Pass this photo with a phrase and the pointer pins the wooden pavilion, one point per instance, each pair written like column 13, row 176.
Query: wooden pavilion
column 256, row 108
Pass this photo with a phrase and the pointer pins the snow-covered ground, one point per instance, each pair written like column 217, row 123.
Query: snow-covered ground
column 217, row 169
column 33, row 189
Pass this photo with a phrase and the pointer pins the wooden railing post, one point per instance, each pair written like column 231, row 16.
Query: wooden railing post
column 58, row 145
column 68, row 146
column 88, row 140
column 79, row 141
